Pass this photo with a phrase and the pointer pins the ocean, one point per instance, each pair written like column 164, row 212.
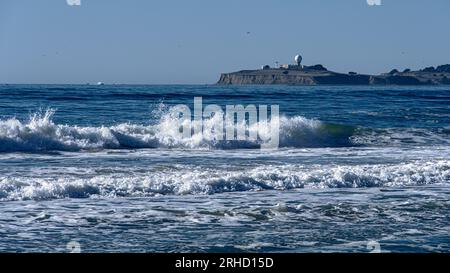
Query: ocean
column 98, row 169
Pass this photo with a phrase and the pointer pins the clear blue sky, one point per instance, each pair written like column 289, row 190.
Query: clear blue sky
column 193, row 41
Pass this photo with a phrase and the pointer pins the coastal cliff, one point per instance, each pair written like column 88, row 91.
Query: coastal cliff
column 318, row 75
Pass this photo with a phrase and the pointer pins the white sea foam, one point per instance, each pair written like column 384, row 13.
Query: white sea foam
column 181, row 180
column 40, row 133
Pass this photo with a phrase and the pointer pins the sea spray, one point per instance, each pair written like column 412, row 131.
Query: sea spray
column 191, row 180
column 40, row 133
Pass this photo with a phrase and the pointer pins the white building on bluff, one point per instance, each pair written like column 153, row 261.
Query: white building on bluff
column 297, row 66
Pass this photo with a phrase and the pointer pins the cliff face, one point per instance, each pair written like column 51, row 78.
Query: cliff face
column 317, row 77
column 264, row 78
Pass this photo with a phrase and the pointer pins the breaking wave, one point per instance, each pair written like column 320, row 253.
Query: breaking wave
column 40, row 133
column 182, row 180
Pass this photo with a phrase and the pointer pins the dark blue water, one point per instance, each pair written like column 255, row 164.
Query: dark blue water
column 357, row 169
column 375, row 107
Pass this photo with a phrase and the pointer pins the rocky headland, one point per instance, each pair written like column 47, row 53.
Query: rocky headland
column 319, row 75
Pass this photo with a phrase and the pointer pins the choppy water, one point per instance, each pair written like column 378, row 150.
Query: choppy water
column 101, row 165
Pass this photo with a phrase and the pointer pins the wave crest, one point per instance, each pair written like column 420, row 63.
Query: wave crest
column 40, row 133
column 183, row 180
